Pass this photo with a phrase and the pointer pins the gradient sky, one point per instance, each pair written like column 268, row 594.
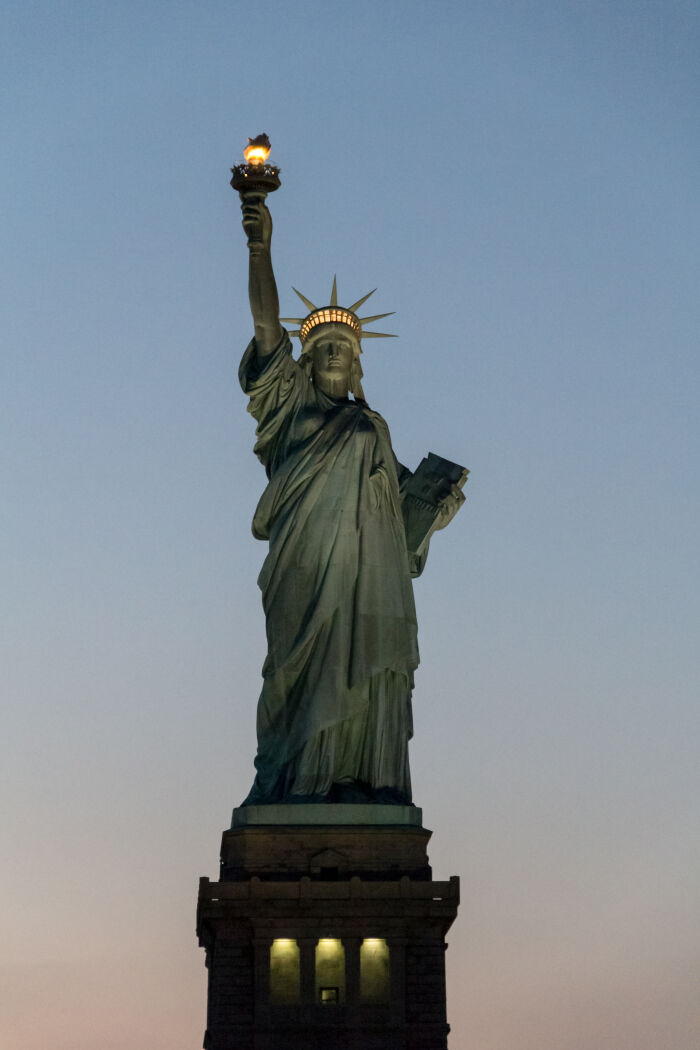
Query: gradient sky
column 520, row 180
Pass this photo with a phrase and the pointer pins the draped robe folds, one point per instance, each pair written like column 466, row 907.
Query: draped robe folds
column 335, row 707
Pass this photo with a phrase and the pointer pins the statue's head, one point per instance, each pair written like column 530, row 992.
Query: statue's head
column 330, row 340
column 334, row 353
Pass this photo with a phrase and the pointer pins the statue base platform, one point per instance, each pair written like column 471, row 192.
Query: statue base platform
column 326, row 936
column 334, row 813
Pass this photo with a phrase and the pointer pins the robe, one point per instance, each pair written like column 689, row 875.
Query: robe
column 335, row 706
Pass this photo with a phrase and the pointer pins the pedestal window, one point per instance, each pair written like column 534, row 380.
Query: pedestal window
column 374, row 970
column 284, row 971
column 330, row 972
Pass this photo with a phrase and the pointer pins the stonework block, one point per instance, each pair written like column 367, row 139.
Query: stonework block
column 318, row 851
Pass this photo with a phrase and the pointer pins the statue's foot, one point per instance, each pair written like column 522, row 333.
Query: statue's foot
column 354, row 792
column 302, row 800
column 388, row 796
column 359, row 793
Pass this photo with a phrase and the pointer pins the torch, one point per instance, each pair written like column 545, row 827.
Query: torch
column 256, row 175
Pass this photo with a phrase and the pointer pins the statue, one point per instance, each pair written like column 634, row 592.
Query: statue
column 334, row 716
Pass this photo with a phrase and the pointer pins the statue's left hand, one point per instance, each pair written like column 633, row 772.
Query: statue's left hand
column 449, row 506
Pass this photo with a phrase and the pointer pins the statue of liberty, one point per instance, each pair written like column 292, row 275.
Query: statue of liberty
column 334, row 716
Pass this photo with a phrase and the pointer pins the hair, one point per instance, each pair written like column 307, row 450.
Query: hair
column 356, row 380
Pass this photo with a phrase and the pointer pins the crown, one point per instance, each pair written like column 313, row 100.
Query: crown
column 334, row 314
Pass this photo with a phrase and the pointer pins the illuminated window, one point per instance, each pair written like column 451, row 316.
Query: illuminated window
column 284, row 971
column 330, row 971
column 374, row 970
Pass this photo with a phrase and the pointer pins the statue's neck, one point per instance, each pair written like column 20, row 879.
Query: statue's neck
column 337, row 388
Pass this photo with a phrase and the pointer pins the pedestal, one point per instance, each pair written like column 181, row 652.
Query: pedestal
column 326, row 931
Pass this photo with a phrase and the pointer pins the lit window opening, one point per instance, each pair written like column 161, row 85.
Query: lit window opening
column 374, row 970
column 330, row 971
column 285, row 980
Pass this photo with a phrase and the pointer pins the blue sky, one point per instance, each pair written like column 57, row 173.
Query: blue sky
column 519, row 180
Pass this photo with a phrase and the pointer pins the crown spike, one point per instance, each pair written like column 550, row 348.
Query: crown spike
column 334, row 293
column 305, row 301
column 379, row 335
column 376, row 317
column 292, row 320
column 361, row 301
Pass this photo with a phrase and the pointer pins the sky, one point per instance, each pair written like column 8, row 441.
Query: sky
column 519, row 181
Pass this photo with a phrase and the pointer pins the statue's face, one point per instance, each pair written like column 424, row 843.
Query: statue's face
column 332, row 353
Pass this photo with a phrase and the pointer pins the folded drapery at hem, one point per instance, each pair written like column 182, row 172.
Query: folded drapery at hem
column 365, row 755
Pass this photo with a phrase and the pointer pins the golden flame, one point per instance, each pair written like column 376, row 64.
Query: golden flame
column 255, row 154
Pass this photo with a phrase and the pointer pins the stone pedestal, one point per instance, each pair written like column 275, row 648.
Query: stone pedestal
column 326, row 936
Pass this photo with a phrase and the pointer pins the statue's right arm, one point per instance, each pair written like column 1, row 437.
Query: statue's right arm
column 262, row 288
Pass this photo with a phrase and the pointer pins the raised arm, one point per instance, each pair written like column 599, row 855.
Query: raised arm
column 262, row 288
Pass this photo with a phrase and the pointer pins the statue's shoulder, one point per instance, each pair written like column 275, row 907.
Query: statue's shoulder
column 376, row 420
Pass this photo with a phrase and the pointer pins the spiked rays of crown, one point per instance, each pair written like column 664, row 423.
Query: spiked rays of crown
column 334, row 314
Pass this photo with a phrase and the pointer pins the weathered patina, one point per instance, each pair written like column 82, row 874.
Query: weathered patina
column 334, row 715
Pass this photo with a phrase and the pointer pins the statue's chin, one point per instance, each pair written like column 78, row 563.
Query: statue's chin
column 333, row 387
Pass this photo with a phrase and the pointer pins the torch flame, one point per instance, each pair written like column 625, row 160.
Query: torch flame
column 256, row 153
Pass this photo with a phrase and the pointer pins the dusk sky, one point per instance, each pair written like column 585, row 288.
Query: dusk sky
column 520, row 182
